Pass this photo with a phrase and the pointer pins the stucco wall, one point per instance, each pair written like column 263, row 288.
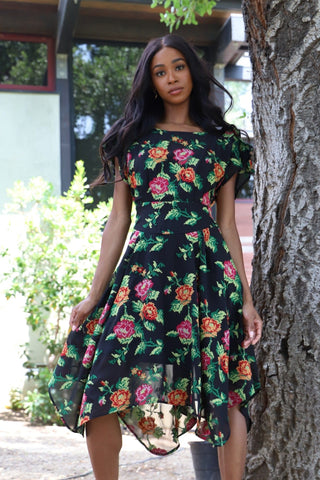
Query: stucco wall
column 29, row 139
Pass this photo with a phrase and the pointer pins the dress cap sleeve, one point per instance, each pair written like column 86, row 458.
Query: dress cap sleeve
column 240, row 162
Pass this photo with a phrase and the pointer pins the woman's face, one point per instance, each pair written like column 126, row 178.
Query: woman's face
column 171, row 76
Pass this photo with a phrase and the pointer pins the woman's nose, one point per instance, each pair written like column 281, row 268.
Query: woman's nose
column 171, row 76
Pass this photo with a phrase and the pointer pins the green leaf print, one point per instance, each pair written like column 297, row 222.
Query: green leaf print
column 182, row 384
column 189, row 278
column 158, row 349
column 176, row 306
column 141, row 348
column 123, row 383
column 236, row 161
column 158, row 432
column 186, row 187
column 61, row 362
column 68, row 383
column 149, row 326
column 198, row 182
column 73, row 352
column 193, row 161
column 193, row 219
column 174, row 168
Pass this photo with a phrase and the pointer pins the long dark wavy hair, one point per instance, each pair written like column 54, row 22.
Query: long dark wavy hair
column 143, row 110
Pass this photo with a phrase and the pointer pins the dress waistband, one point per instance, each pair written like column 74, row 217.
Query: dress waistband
column 173, row 217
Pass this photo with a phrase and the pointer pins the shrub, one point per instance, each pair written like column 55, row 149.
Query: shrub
column 54, row 267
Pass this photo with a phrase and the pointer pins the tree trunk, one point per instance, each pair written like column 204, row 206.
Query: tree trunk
column 285, row 52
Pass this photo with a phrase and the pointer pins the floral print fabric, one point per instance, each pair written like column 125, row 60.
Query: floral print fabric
column 163, row 346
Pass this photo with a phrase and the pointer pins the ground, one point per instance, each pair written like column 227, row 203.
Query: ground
column 54, row 453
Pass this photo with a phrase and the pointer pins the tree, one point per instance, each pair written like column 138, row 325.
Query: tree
column 284, row 45
column 102, row 77
column 23, row 63
column 285, row 52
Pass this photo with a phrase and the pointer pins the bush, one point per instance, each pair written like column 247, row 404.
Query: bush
column 54, row 267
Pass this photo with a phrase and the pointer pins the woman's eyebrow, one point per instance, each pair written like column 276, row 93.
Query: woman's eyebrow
column 173, row 61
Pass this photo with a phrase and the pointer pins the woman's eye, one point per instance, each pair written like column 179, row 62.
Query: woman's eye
column 159, row 73
column 180, row 67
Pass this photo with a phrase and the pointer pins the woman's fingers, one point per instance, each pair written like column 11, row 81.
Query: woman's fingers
column 252, row 326
column 79, row 313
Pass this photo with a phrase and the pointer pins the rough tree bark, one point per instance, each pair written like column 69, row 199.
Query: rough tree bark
column 284, row 41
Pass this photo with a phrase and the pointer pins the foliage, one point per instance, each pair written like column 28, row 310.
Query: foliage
column 23, row 63
column 57, row 257
column 16, row 399
column 102, row 77
column 37, row 403
column 183, row 11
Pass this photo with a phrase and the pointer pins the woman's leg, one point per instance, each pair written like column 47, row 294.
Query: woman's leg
column 104, row 442
column 232, row 455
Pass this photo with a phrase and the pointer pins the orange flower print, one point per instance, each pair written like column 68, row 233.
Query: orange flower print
column 122, row 295
column 184, row 293
column 64, row 350
column 224, row 362
column 158, row 154
column 244, row 370
column 149, row 311
column 132, row 180
column 218, row 171
column 147, row 425
column 84, row 420
column 187, row 175
column 177, row 397
column 120, row 398
column 210, row 327
column 91, row 326
column 206, row 234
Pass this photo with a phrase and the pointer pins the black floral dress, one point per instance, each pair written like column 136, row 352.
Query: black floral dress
column 163, row 346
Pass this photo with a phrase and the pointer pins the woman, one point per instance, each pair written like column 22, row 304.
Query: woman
column 168, row 343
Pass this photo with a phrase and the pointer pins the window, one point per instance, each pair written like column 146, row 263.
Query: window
column 26, row 63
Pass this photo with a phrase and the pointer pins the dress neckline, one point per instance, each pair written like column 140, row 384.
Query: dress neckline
column 201, row 132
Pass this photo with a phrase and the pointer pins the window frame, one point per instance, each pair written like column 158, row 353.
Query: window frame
column 49, row 41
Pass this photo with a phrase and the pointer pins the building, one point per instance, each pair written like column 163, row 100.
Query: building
column 36, row 134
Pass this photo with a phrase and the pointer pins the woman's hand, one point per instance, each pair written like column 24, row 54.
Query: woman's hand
column 252, row 324
column 80, row 312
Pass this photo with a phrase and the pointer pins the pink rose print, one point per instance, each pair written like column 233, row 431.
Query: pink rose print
column 226, row 339
column 84, row 399
column 142, row 288
column 184, row 330
column 234, row 399
column 205, row 360
column 206, row 199
column 129, row 157
column 88, row 356
column 182, row 155
column 158, row 451
column 142, row 393
column 192, row 235
column 203, row 430
column 191, row 423
column 134, row 237
column 124, row 329
column 229, row 269
column 159, row 185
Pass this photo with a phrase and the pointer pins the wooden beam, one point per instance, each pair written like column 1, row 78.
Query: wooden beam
column 67, row 19
column 231, row 41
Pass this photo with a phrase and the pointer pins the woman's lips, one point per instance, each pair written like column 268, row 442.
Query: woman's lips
column 175, row 91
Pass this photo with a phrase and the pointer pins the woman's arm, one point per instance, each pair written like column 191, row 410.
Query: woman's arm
column 227, row 225
column 113, row 239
